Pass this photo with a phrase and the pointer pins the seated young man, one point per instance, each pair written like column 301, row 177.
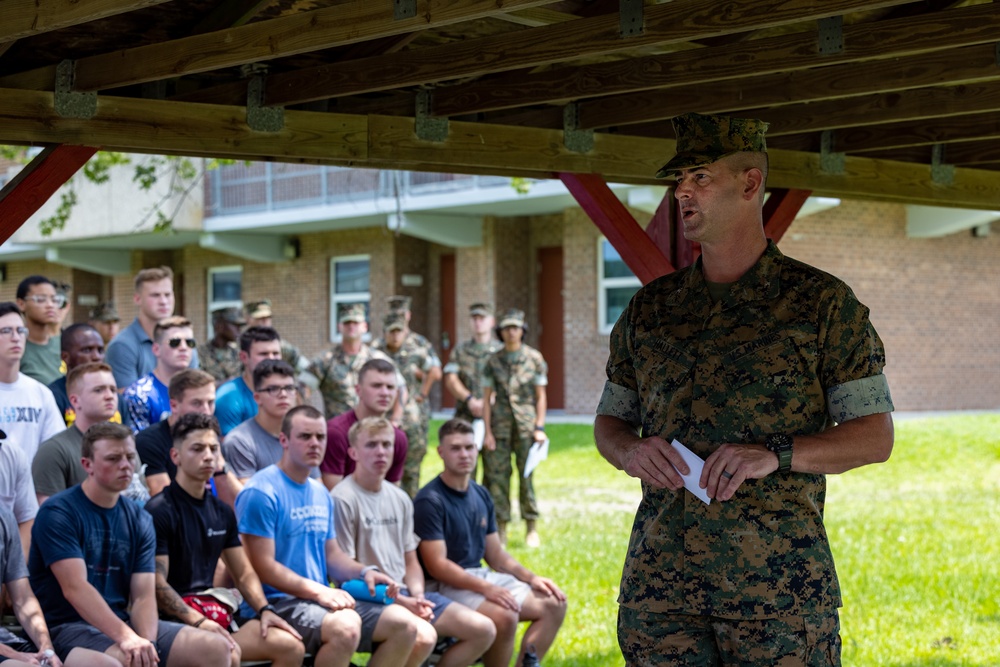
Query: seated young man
column 452, row 554
column 148, row 398
column 286, row 522
column 92, row 566
column 193, row 530
column 374, row 522
column 16, row 651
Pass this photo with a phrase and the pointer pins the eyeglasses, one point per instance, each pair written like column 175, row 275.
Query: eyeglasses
column 278, row 389
column 57, row 299
column 176, row 342
column 10, row 331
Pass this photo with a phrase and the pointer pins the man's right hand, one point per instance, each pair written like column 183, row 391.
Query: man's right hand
column 489, row 442
column 335, row 599
column 138, row 652
column 499, row 595
column 475, row 406
column 211, row 626
column 653, row 460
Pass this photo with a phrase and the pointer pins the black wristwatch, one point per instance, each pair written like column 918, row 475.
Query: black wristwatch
column 781, row 444
column 268, row 607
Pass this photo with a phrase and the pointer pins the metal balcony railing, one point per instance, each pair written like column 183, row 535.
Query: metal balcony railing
column 271, row 186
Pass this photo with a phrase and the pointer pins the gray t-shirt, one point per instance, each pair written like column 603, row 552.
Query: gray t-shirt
column 249, row 448
column 374, row 528
column 57, row 464
column 12, row 564
column 17, row 491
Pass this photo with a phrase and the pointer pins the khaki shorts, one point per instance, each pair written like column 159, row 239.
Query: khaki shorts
column 649, row 639
column 471, row 599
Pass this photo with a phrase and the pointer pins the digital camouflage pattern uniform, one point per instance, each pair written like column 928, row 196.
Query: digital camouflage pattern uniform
column 788, row 350
column 414, row 358
column 338, row 375
column 221, row 363
column 513, row 377
column 467, row 361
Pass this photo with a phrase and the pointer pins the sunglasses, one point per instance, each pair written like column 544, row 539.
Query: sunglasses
column 176, row 342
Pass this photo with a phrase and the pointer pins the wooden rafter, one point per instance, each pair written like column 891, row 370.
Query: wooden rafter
column 23, row 18
column 780, row 210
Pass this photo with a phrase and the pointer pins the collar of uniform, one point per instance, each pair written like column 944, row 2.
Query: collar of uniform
column 762, row 281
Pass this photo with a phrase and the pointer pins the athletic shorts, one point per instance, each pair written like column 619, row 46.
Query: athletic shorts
column 69, row 636
column 439, row 601
column 21, row 646
column 473, row 600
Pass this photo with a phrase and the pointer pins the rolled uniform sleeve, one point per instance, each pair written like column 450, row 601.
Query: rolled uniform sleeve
column 620, row 397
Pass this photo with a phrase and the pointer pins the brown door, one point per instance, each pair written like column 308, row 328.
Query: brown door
column 447, row 319
column 550, row 315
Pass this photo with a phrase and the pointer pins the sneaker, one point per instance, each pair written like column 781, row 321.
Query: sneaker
column 530, row 658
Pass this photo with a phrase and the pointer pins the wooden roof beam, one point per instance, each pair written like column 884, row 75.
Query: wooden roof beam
column 24, row 18
column 974, row 127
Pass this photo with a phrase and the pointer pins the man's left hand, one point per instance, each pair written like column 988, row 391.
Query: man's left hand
column 269, row 620
column 547, row 588
column 373, row 577
column 730, row 465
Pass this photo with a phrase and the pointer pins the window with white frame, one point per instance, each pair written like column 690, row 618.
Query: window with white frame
column 349, row 284
column 615, row 285
column 225, row 290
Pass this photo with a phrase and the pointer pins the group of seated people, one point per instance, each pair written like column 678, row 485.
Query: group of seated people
column 277, row 534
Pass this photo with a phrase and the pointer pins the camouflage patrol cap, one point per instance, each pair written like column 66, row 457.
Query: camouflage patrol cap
column 105, row 312
column 354, row 312
column 259, row 309
column 481, row 308
column 399, row 302
column 703, row 140
column 512, row 317
column 394, row 320
column 232, row 315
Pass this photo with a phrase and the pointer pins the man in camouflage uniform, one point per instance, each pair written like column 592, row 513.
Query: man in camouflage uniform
column 220, row 356
column 259, row 314
column 104, row 317
column 517, row 374
column 464, row 370
column 337, row 369
column 771, row 371
column 420, row 367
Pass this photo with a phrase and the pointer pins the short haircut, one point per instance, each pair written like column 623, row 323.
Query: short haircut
column 8, row 307
column 257, row 335
column 369, row 425
column 189, row 423
column 102, row 431
column 167, row 323
column 189, row 378
column 744, row 161
column 70, row 332
column 75, row 376
column 377, row 365
column 153, row 275
column 307, row 411
column 453, row 426
column 270, row 367
column 25, row 285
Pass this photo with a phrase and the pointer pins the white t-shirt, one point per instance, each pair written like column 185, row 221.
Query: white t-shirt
column 17, row 489
column 28, row 414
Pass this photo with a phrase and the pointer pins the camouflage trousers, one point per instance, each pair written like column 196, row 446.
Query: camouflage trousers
column 496, row 476
column 416, row 448
column 649, row 639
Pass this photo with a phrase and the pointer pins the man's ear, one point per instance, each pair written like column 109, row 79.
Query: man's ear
column 352, row 452
column 175, row 456
column 753, row 181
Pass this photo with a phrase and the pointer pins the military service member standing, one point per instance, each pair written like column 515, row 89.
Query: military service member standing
column 517, row 374
column 464, row 370
column 420, row 367
column 771, row 371
column 220, row 356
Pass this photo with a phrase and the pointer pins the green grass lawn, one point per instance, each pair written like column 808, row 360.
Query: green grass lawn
column 916, row 540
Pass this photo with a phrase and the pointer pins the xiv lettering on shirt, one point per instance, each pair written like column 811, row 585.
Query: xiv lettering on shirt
column 309, row 519
column 27, row 413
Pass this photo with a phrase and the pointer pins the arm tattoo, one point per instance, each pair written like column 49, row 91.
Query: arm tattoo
column 167, row 599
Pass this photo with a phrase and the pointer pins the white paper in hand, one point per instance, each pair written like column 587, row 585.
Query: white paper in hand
column 538, row 452
column 478, row 433
column 695, row 465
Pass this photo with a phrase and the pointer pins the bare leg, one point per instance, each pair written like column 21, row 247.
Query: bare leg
column 341, row 633
column 474, row 631
column 198, row 648
column 397, row 631
column 546, row 615
column 281, row 648
column 84, row 657
column 505, row 622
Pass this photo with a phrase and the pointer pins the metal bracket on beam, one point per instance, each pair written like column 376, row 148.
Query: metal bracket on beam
column 68, row 102
column 829, row 161
column 831, row 35
column 941, row 173
column 259, row 117
column 404, row 9
column 630, row 18
column 426, row 126
column 575, row 139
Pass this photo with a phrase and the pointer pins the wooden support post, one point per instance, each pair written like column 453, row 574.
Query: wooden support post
column 39, row 180
column 667, row 232
column 780, row 210
column 645, row 260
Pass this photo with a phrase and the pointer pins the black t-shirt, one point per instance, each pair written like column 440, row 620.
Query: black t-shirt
column 462, row 519
column 193, row 534
column 153, row 445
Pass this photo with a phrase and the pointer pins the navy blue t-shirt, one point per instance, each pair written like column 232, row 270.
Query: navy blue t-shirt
column 114, row 543
column 462, row 519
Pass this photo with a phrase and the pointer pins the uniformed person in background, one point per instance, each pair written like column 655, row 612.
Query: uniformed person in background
column 517, row 375
column 220, row 356
column 259, row 314
column 464, row 370
column 104, row 317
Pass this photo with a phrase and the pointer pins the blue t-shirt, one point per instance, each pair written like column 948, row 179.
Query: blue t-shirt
column 114, row 543
column 148, row 402
column 462, row 519
column 130, row 354
column 234, row 404
column 298, row 517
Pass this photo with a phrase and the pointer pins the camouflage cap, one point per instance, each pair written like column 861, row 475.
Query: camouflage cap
column 353, row 312
column 512, row 317
column 105, row 312
column 394, row 320
column 259, row 309
column 703, row 140
column 481, row 308
column 399, row 302
column 232, row 314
